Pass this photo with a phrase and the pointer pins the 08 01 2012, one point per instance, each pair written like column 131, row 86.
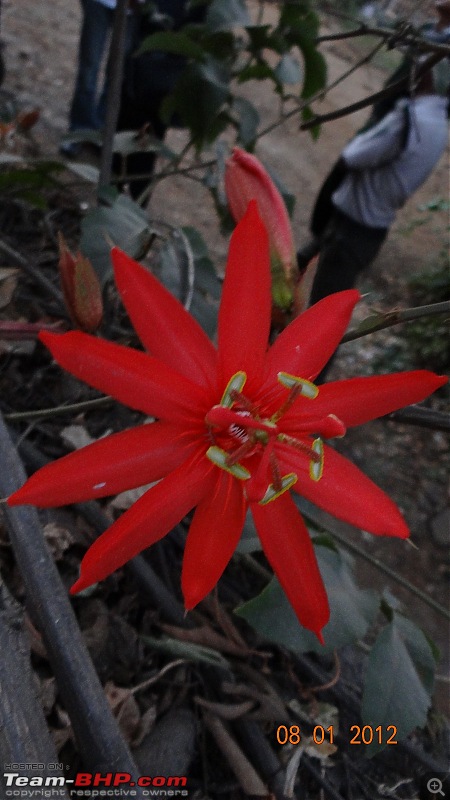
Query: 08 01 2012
column 358, row 734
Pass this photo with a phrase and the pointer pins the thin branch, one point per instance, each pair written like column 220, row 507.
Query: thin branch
column 321, row 93
column 381, row 320
column 392, row 38
column 392, row 89
column 325, row 521
column 71, row 408
column 115, row 74
column 391, row 573
column 424, row 417
column 20, row 261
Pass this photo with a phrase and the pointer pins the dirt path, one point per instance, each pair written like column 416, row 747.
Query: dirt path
column 41, row 42
column 41, row 45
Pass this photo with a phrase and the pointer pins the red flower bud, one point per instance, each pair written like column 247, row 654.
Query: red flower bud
column 81, row 288
column 245, row 180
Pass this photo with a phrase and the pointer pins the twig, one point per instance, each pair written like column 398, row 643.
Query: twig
column 99, row 740
column 393, row 88
column 329, row 790
column 327, row 522
column 115, row 73
column 248, row 778
column 424, row 417
column 377, row 322
column 11, row 330
column 259, row 750
column 391, row 37
column 71, row 408
column 16, row 258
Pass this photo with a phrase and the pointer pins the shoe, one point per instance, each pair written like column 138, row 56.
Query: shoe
column 70, row 149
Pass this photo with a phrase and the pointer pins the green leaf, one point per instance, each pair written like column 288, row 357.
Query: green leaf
column 176, row 266
column 124, row 224
column 127, row 142
column 257, row 72
column 298, row 14
column 177, row 42
column 224, row 14
column 307, row 115
column 248, row 120
column 206, row 279
column 87, row 172
column 249, row 541
column 352, row 609
column 84, row 135
column 394, row 693
column 260, row 37
column 288, row 70
column 187, row 650
column 420, row 650
column 205, row 313
column 209, row 84
column 315, row 69
column 220, row 44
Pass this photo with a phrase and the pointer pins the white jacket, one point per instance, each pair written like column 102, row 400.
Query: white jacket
column 383, row 170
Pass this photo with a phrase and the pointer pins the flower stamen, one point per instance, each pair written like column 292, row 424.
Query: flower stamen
column 307, row 388
column 219, row 457
column 272, row 493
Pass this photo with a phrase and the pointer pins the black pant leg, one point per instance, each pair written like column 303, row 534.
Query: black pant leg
column 346, row 249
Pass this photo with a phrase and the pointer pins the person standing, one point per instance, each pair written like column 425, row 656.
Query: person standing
column 88, row 106
column 382, row 168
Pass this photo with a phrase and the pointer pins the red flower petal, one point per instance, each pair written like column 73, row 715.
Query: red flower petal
column 289, row 549
column 244, row 316
column 134, row 378
column 346, row 493
column 212, row 538
column 305, row 346
column 359, row 400
column 164, row 327
column 147, row 521
column 111, row 465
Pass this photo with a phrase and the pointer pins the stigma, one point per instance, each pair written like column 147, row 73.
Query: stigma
column 244, row 440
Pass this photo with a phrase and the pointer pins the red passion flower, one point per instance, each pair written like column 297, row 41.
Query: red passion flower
column 238, row 426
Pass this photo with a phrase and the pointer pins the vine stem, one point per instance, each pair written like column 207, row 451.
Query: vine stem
column 386, row 319
column 329, row 524
column 391, row 573
column 72, row 408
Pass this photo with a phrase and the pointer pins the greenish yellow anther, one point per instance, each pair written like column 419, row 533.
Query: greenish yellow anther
column 316, row 467
column 306, row 388
column 235, row 384
column 219, row 457
column 287, row 482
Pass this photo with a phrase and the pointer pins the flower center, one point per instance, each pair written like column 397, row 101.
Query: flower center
column 240, row 433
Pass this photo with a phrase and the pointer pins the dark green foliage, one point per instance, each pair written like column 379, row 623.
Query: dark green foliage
column 428, row 338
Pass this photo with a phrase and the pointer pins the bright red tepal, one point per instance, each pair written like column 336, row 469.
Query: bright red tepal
column 237, row 427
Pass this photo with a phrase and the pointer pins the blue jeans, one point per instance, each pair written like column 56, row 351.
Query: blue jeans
column 86, row 110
